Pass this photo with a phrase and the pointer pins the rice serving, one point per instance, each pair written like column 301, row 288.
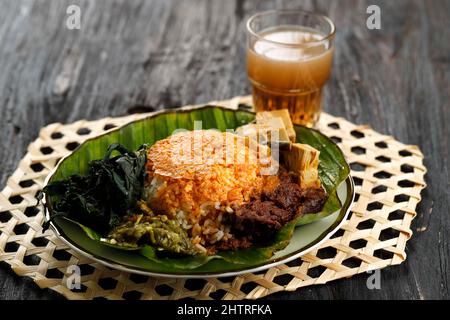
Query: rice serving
column 199, row 177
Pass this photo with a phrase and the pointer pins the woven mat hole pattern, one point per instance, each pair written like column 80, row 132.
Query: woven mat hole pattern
column 388, row 175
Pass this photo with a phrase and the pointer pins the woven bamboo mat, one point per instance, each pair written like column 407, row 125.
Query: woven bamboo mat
column 389, row 177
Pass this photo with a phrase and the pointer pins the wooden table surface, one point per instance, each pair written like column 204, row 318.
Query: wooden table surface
column 170, row 53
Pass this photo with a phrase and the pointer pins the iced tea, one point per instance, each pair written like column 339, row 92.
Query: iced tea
column 288, row 65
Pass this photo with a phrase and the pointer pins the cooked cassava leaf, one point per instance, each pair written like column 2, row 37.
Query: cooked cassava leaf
column 99, row 200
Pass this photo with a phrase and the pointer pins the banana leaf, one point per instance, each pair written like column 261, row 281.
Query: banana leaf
column 333, row 170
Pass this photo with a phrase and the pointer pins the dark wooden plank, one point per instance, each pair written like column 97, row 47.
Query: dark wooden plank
column 170, row 53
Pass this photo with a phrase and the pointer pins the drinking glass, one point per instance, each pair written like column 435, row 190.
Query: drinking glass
column 289, row 59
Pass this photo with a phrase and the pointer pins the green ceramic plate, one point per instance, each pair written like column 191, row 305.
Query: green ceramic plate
column 311, row 232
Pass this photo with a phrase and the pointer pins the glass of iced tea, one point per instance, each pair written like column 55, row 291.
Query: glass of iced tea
column 289, row 58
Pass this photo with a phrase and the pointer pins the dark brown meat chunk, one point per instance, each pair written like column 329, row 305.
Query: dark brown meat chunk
column 259, row 217
column 312, row 201
column 289, row 196
column 286, row 196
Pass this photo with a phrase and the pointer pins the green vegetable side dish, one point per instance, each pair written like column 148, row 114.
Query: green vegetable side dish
column 112, row 187
column 101, row 192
